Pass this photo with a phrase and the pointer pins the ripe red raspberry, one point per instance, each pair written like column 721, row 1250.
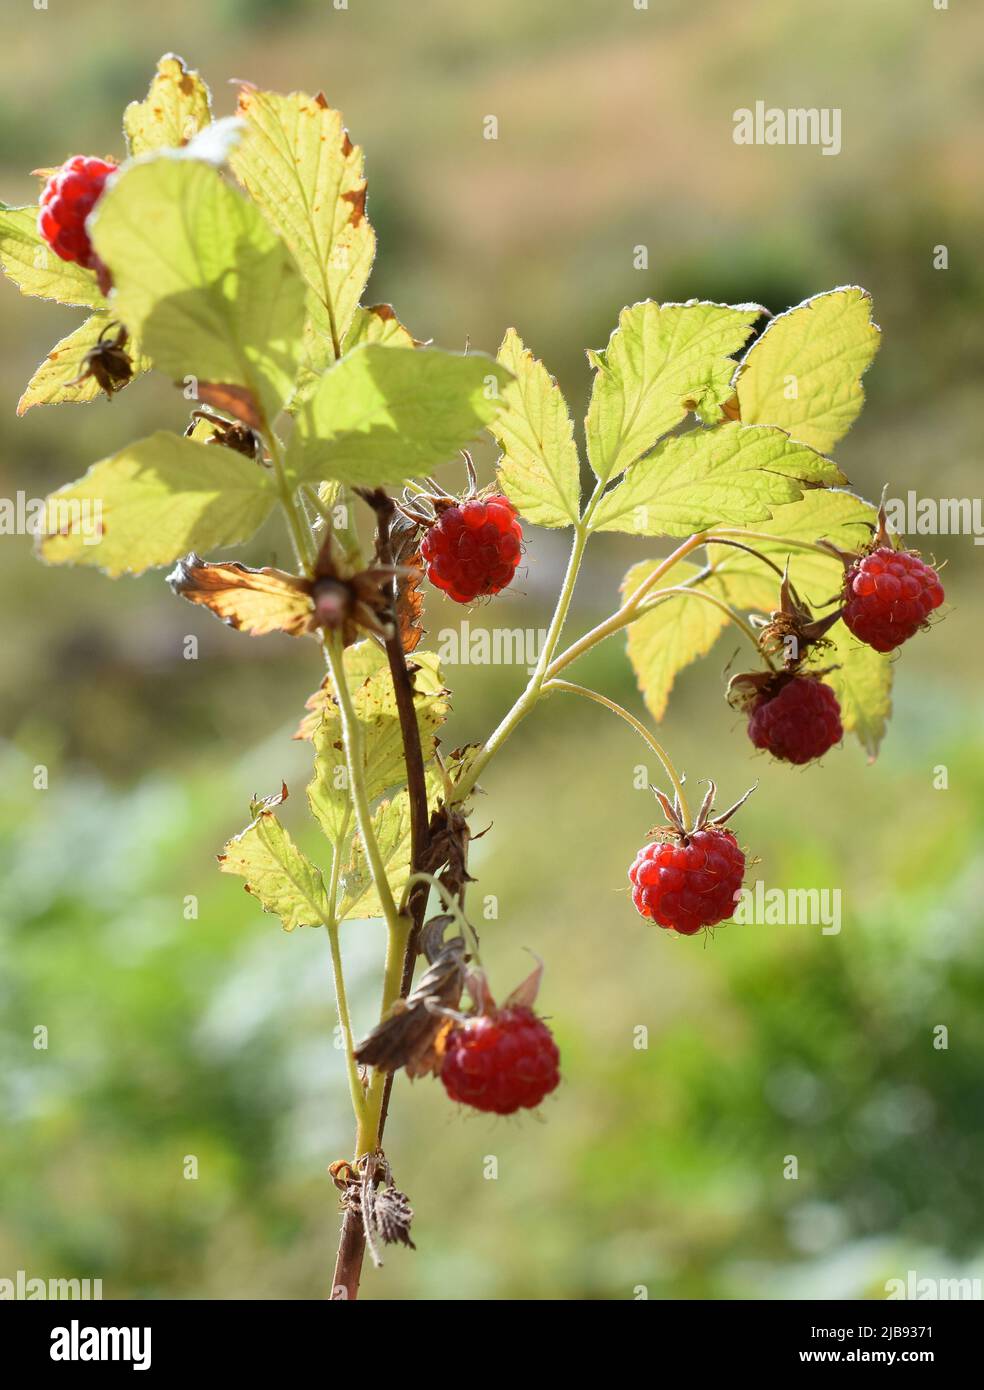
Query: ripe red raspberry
column 501, row 1061
column 473, row 548
column 66, row 201
column 797, row 723
column 888, row 595
column 690, row 883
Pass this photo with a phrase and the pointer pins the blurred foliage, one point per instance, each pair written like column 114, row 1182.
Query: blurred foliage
column 212, row 1036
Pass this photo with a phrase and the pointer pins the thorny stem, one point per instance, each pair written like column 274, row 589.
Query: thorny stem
column 630, row 719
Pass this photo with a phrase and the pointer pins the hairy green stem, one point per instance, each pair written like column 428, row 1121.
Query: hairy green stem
column 633, row 723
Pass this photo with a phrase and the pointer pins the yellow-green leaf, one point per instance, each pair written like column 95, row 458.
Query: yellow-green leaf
column 539, row 469
column 34, row 268
column 303, row 171
column 381, row 738
column 377, row 324
column 153, row 502
column 201, row 279
column 828, row 514
column 680, row 629
column 733, row 474
column 384, row 414
column 804, row 373
column 177, row 106
column 51, row 383
column 662, row 361
column 862, row 682
column 391, row 824
column 277, row 873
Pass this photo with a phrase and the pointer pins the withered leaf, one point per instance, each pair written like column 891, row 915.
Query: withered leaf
column 238, row 401
column 256, row 601
column 405, row 548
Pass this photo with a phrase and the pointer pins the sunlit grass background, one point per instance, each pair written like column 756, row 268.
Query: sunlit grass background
column 663, row 1167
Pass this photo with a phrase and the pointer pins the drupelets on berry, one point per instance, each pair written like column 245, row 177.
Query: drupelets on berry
column 501, row 1062
column 472, row 549
column 796, row 719
column 888, row 596
column 66, row 201
column 689, row 878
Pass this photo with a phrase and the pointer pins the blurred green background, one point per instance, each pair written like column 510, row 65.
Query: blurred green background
column 659, row 1168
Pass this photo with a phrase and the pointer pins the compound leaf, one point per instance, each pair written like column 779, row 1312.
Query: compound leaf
column 30, row 263
column 539, row 468
column 52, row 384
column 804, row 373
column 662, row 361
column 201, row 279
column 300, row 167
column 862, row 681
column 176, row 108
column 277, row 872
column 381, row 738
column 680, row 628
column 383, row 414
column 732, row 474
column 153, row 502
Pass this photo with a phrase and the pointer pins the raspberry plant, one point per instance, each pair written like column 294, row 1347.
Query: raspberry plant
column 232, row 257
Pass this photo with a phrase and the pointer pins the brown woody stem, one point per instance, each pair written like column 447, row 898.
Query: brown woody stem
column 352, row 1240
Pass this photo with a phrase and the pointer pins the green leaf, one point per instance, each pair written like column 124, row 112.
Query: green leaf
column 862, row 682
column 662, row 362
column 832, row 515
column 153, row 502
column 177, row 107
column 201, row 280
column 680, row 628
column 817, row 354
column 65, row 362
column 34, row 268
column 539, row 469
column 302, row 170
column 382, row 742
column 383, row 414
column 391, row 824
column 277, row 872
column 377, row 324
column 731, row 474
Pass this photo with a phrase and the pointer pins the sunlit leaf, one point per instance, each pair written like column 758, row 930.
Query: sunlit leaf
column 862, row 681
column 380, row 735
column 277, row 873
column 804, row 373
column 681, row 627
column 34, row 268
column 154, row 501
column 51, row 383
column 382, row 414
column 539, row 469
column 303, row 171
column 177, row 106
column 201, row 279
column 661, row 363
column 732, row 474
